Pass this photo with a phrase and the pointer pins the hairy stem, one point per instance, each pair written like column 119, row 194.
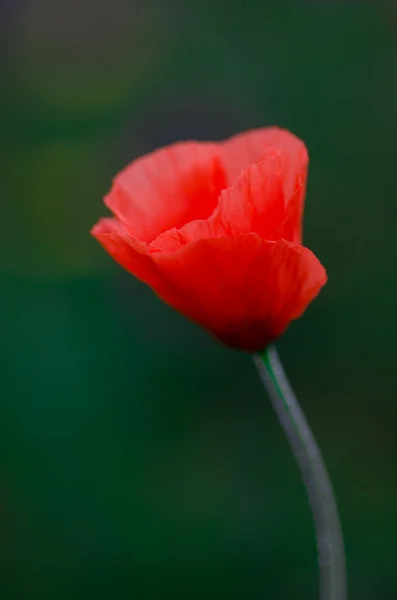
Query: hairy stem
column 331, row 556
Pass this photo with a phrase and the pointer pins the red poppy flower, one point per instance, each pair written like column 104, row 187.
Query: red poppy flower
column 216, row 230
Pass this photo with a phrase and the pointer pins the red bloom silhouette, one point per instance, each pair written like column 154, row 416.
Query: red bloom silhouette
column 216, row 230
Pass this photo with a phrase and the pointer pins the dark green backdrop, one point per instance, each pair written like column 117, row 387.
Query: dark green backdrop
column 139, row 459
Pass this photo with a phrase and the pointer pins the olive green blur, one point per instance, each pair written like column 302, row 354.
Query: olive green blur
column 139, row 459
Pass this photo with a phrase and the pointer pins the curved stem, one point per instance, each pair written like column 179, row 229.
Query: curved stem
column 331, row 556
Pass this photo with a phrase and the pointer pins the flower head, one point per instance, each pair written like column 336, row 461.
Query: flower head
column 215, row 229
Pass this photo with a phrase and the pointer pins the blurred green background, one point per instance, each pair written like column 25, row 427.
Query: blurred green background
column 139, row 458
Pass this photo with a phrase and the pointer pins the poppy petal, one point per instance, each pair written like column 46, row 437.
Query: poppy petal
column 244, row 149
column 167, row 188
column 256, row 202
column 244, row 289
column 126, row 250
column 133, row 256
column 292, row 229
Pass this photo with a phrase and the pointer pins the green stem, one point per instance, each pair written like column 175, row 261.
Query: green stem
column 331, row 556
